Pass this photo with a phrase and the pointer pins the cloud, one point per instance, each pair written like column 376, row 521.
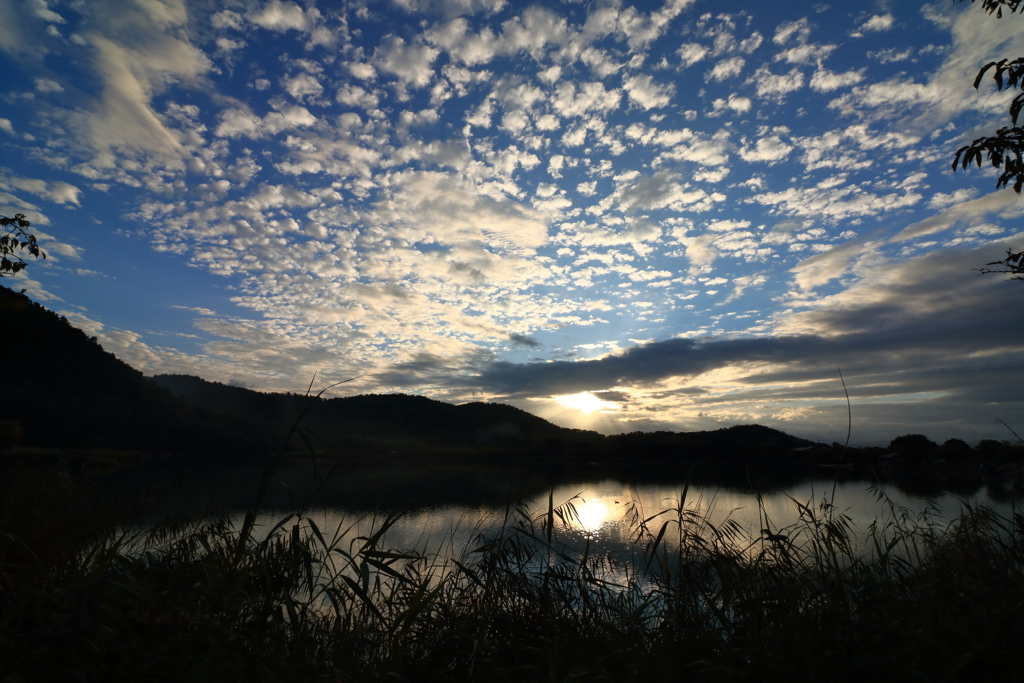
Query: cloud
column 776, row 86
column 848, row 149
column 643, row 91
column 892, row 54
column 449, row 8
column 640, row 29
column 691, row 53
column 356, row 96
column 244, row 123
column 740, row 105
column 226, row 19
column 362, row 71
column 442, row 207
column 827, row 266
column 797, row 31
column 135, row 56
column 55, row 191
column 523, row 340
column 536, row 29
column 941, row 200
column 411, row 64
column 195, row 309
column 827, row 81
column 744, row 282
column 45, row 85
column 912, row 300
column 834, row 263
column 287, row 16
column 589, row 97
column 284, row 16
column 303, row 86
column 9, row 204
column 532, row 32
column 41, row 10
column 805, row 54
column 658, row 191
column 62, row 249
column 835, row 202
column 614, row 396
column 1003, row 204
column 770, row 149
column 686, row 144
column 637, row 366
column 878, row 22
column 897, row 332
column 700, row 251
column 632, row 231
column 727, row 68
column 442, row 192
column 945, row 92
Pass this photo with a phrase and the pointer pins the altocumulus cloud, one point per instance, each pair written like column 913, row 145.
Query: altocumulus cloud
column 475, row 198
column 899, row 332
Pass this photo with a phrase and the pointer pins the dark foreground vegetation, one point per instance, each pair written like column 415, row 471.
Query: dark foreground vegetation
column 86, row 594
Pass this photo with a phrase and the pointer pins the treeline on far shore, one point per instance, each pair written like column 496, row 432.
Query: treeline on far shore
column 918, row 449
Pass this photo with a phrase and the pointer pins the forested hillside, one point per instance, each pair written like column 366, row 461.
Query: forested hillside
column 65, row 391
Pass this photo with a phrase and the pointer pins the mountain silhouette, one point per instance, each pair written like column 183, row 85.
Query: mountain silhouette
column 390, row 423
column 67, row 392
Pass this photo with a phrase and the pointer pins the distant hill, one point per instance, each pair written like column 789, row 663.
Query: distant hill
column 64, row 391
column 741, row 442
column 388, row 423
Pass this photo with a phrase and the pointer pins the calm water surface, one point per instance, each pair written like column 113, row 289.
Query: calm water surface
column 605, row 513
column 445, row 507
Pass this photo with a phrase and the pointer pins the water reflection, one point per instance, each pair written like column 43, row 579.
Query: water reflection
column 604, row 516
column 446, row 506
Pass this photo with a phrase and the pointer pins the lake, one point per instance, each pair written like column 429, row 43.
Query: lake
column 598, row 599
column 446, row 506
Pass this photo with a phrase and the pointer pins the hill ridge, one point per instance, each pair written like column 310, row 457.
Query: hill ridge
column 73, row 394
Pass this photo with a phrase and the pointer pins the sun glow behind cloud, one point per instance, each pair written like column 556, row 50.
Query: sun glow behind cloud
column 585, row 402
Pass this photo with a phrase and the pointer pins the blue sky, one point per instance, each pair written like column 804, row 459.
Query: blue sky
column 615, row 216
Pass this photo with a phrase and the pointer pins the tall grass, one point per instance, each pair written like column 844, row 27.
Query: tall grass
column 909, row 598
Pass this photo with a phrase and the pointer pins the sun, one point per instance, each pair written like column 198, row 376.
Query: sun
column 585, row 402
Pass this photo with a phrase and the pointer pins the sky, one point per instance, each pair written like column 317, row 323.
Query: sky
column 616, row 216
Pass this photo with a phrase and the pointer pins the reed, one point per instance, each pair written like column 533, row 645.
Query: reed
column 203, row 600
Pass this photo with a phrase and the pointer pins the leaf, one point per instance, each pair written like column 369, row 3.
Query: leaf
column 358, row 590
column 469, row 572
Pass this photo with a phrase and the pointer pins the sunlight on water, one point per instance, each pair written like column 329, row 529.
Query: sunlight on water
column 593, row 514
column 607, row 514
